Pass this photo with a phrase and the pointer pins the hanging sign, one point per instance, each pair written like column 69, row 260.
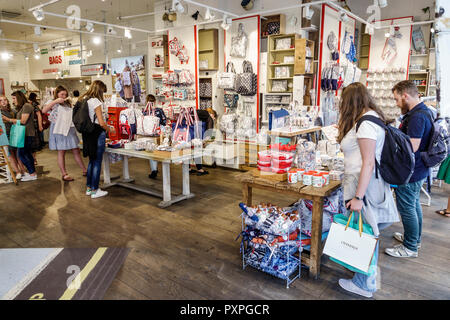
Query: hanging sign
column 93, row 69
column 44, row 51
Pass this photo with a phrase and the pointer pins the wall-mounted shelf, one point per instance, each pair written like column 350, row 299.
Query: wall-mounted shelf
column 208, row 48
column 274, row 19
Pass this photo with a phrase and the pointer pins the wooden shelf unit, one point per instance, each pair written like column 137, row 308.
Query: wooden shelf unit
column 278, row 18
column 364, row 48
column 208, row 48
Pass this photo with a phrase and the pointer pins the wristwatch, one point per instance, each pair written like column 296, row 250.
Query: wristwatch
column 358, row 198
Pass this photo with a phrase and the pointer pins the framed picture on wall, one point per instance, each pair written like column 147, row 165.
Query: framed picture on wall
column 2, row 87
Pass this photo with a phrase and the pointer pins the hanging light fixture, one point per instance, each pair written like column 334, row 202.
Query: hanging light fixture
column 37, row 31
column 382, row 3
column 195, row 15
column 39, row 14
column 343, row 17
column 36, row 47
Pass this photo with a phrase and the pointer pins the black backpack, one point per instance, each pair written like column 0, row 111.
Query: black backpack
column 81, row 119
column 437, row 149
column 397, row 157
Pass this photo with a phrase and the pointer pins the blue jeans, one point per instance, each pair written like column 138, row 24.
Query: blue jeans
column 408, row 204
column 95, row 166
column 26, row 156
column 369, row 283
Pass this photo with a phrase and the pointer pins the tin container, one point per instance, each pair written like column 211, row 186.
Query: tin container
column 318, row 180
column 292, row 176
column 307, row 179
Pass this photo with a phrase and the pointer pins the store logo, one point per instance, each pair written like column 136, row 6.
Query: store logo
column 55, row 60
column 73, row 22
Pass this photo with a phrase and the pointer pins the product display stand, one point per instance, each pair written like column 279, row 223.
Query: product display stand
column 127, row 181
column 294, row 134
column 299, row 190
column 246, row 250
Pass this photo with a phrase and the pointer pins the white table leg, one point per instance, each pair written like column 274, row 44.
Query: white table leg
column 126, row 171
column 167, row 195
column 186, row 185
column 106, row 169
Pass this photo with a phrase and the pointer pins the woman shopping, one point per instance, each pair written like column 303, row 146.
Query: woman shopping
column 38, row 142
column 364, row 192
column 63, row 136
column 16, row 164
column 94, row 142
column 25, row 117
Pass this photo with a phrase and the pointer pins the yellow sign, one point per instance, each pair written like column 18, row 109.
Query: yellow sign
column 72, row 52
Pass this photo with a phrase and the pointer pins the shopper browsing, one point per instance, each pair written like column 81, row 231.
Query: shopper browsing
column 25, row 116
column 94, row 141
column 162, row 122
column 63, row 136
column 416, row 123
column 16, row 164
column 38, row 142
column 363, row 191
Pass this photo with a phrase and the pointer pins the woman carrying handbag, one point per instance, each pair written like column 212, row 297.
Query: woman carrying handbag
column 364, row 191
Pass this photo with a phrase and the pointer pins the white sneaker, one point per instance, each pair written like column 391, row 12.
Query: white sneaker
column 99, row 193
column 28, row 177
column 88, row 192
column 18, row 176
column 348, row 285
column 401, row 251
column 399, row 237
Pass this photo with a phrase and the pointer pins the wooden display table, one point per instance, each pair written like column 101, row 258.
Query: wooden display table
column 166, row 158
column 299, row 190
column 294, row 134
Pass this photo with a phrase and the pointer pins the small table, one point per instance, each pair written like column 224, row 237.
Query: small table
column 300, row 190
column 166, row 161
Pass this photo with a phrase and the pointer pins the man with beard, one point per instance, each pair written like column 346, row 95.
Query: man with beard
column 417, row 124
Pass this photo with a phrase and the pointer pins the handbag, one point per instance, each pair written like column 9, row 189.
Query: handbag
column 148, row 123
column 247, row 81
column 227, row 80
column 17, row 136
column 352, row 247
column 239, row 43
column 231, row 99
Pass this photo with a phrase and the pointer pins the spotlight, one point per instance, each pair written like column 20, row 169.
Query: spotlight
column 209, row 15
column 387, row 35
column 382, row 3
column 97, row 40
column 369, row 30
column 127, row 34
column 432, row 30
column 344, row 17
column 195, row 15
column 226, row 23
column 90, row 27
column 5, row 56
column 37, row 56
column 37, row 31
column 308, row 13
column 26, row 57
column 81, row 81
column 177, row 6
column 119, row 50
column 36, row 47
column 39, row 14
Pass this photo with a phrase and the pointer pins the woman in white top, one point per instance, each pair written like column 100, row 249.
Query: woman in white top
column 63, row 135
column 94, row 142
column 364, row 191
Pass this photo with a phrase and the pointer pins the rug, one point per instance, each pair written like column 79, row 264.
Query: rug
column 59, row 274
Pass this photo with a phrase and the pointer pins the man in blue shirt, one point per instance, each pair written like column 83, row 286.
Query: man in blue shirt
column 418, row 126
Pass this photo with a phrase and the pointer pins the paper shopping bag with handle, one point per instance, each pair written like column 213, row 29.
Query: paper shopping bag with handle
column 351, row 244
column 17, row 136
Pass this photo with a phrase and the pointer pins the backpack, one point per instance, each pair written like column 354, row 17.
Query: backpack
column 397, row 157
column 437, row 149
column 81, row 119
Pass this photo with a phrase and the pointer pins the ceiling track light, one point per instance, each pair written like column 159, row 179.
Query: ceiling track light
column 36, row 47
column 343, row 17
column 37, row 31
column 226, row 23
column 127, row 34
column 38, row 14
column 177, row 6
column 90, row 27
column 308, row 12
column 209, row 15
column 382, row 3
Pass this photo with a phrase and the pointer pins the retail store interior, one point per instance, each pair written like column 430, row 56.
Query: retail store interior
column 208, row 150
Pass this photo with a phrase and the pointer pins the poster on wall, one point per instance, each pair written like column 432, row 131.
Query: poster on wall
column 129, row 77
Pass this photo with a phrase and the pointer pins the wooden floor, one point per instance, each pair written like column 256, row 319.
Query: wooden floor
column 188, row 251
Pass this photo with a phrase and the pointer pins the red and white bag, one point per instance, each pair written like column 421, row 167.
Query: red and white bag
column 149, row 124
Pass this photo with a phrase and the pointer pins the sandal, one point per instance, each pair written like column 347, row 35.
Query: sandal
column 85, row 174
column 443, row 213
column 66, row 177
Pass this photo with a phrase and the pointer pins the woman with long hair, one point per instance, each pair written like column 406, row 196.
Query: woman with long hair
column 25, row 117
column 38, row 142
column 16, row 164
column 63, row 136
column 364, row 191
column 94, row 142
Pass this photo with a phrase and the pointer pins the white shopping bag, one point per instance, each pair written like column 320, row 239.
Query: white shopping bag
column 350, row 246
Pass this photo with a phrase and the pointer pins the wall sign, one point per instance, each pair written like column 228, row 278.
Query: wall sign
column 55, row 60
column 93, row 69
column 50, row 70
column 73, row 52
column 44, row 51
column 73, row 62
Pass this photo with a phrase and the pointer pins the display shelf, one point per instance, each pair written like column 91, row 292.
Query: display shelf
column 281, row 64
column 282, row 50
column 278, row 19
column 418, row 72
column 293, row 133
column 208, row 48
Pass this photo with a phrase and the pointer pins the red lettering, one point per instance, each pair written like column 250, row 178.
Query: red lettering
column 55, row 60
